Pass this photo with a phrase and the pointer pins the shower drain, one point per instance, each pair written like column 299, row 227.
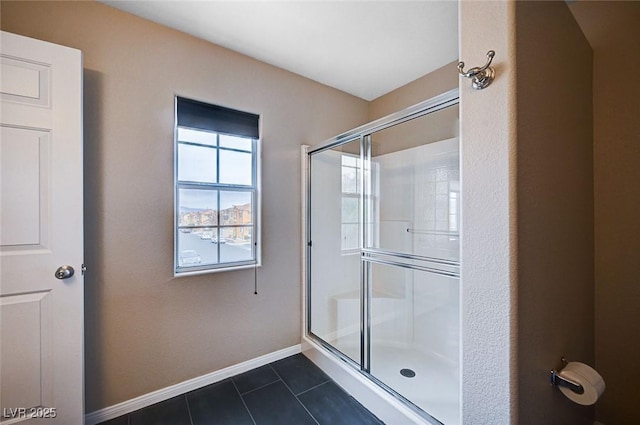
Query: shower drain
column 407, row 373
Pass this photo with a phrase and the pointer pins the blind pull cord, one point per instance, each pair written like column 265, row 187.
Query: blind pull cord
column 255, row 273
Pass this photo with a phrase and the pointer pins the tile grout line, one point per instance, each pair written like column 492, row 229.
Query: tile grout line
column 314, row 387
column 259, row 388
column 186, row 399
column 296, row 397
column 243, row 402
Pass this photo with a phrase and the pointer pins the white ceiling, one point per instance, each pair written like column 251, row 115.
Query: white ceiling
column 366, row 48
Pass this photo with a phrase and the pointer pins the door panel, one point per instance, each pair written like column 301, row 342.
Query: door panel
column 27, row 359
column 41, row 317
column 24, row 81
column 24, row 160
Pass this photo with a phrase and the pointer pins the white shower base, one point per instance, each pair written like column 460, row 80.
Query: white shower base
column 435, row 388
column 387, row 408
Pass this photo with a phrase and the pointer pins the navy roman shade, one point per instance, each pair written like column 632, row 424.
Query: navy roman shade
column 203, row 116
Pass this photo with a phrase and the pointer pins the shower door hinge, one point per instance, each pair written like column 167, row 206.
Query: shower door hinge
column 310, row 243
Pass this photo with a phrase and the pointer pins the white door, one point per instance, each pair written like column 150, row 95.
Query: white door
column 41, row 316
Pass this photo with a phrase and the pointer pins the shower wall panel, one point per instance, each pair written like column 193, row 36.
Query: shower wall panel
column 417, row 200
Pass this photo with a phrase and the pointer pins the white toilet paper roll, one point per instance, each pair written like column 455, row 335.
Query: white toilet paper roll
column 586, row 376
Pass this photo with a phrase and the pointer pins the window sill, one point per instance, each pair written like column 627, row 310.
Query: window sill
column 348, row 252
column 217, row 270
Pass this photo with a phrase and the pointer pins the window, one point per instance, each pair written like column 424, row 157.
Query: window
column 216, row 187
column 350, row 214
column 454, row 217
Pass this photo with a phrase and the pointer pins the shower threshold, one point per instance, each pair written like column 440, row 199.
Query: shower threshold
column 377, row 397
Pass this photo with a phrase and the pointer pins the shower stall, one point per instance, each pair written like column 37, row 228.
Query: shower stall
column 382, row 263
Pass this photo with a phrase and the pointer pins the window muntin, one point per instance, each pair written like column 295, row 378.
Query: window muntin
column 216, row 200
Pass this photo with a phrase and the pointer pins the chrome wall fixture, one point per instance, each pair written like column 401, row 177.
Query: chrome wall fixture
column 480, row 77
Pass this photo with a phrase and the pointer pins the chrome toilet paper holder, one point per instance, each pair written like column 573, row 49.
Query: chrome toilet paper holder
column 561, row 381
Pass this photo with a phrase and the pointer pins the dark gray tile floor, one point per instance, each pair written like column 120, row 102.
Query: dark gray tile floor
column 291, row 391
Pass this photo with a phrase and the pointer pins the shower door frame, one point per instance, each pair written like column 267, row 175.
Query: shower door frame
column 363, row 135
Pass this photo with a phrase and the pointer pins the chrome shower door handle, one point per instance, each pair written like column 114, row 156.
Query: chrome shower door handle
column 64, row 272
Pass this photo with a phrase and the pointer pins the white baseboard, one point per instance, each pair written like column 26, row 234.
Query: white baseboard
column 162, row 394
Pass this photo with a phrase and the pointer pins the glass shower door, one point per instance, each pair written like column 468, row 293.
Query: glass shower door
column 335, row 205
column 383, row 254
column 414, row 337
column 411, row 259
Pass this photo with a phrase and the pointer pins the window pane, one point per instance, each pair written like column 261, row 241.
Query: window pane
column 235, row 142
column 349, row 180
column 350, row 210
column 197, row 207
column 196, row 136
column 235, row 168
column 196, row 163
column 195, row 248
column 235, row 208
column 236, row 244
column 350, row 160
column 350, row 236
column 453, row 211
